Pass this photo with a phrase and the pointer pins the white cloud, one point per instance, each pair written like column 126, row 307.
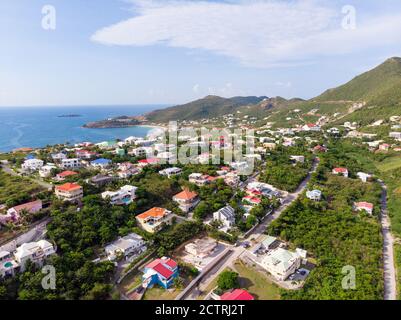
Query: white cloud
column 260, row 33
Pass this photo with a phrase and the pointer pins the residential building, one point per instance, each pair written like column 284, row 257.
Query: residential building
column 106, row 145
column 85, row 154
column 125, row 196
column 101, row 163
column 160, row 272
column 148, row 161
column 232, row 179
column 58, row 156
column 69, row 192
column 142, row 152
column 364, row 176
column 199, row 179
column 315, row 195
column 46, row 171
column 36, row 252
column 65, row 174
column 395, row 135
column 384, row 147
column 100, row 180
column 237, row 295
column 300, row 159
column 253, row 201
column 32, row 165
column 170, row 172
column 14, row 214
column 154, row 219
column 187, row 200
column 128, row 246
column 8, row 265
column 341, row 171
column 226, row 216
column 281, row 263
column 201, row 248
column 366, row 206
column 70, row 163
column 311, row 127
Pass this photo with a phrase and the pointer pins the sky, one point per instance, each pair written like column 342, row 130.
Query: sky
column 117, row 52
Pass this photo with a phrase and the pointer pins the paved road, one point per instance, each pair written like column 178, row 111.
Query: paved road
column 238, row 251
column 390, row 283
column 44, row 184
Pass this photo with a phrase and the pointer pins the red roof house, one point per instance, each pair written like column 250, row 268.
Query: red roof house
column 237, row 294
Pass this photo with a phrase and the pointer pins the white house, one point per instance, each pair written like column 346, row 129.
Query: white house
column 32, row 165
column 36, row 252
column 281, row 263
column 300, row 159
column 170, row 172
column 46, row 170
column 226, row 216
column 127, row 246
column 395, row 135
column 124, row 196
column 142, row 151
column 70, row 163
column 364, row 176
column 315, row 195
column 58, row 156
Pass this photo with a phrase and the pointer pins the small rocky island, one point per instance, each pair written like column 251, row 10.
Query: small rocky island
column 119, row 122
column 69, row 116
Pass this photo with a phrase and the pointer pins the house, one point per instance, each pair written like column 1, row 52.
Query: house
column 201, row 248
column 85, row 154
column 154, row 219
column 46, row 171
column 149, row 161
column 395, row 135
column 101, row 163
column 32, row 165
column 142, row 151
column 341, row 171
column 364, row 176
column 58, row 156
column 311, row 127
column 125, row 174
column 100, row 180
column 106, row 145
column 170, row 172
column 160, row 272
column 232, row 179
column 124, row 196
column 69, row 192
column 30, row 207
column 384, row 147
column 237, row 295
column 131, row 244
column 65, row 174
column 368, row 207
column 187, row 200
column 226, row 216
column 320, row 149
column 120, row 152
column 8, row 265
column 315, row 195
column 36, row 252
column 254, row 201
column 281, row 263
column 199, row 179
column 70, row 163
column 263, row 188
column 300, row 159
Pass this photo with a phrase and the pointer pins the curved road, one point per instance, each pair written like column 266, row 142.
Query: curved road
column 390, row 283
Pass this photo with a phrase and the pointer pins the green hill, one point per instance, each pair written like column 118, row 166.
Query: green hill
column 369, row 86
column 208, row 107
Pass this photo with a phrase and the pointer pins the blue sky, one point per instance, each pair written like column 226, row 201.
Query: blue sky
column 172, row 51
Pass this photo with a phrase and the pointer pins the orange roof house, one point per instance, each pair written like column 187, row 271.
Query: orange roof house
column 69, row 192
column 187, row 200
column 66, row 174
column 153, row 219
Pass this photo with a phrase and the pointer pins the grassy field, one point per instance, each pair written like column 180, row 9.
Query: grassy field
column 256, row 283
column 397, row 257
column 15, row 188
column 158, row 293
column 389, row 164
